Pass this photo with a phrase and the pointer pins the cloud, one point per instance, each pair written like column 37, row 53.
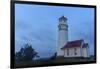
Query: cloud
column 37, row 37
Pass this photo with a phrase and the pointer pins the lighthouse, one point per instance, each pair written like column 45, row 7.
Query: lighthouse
column 62, row 35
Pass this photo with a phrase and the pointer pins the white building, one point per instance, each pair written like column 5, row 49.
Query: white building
column 76, row 48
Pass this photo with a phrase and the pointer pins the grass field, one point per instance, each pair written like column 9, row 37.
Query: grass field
column 56, row 61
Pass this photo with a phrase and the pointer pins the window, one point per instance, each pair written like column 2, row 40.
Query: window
column 75, row 52
column 67, row 51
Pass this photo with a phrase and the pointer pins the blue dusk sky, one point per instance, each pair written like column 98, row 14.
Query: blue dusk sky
column 38, row 25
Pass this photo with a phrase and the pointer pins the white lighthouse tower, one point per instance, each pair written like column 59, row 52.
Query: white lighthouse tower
column 62, row 35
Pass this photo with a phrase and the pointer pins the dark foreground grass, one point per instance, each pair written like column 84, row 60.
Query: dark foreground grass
column 49, row 62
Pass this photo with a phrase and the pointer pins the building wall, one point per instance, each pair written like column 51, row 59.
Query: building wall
column 62, row 40
column 72, row 52
column 85, row 52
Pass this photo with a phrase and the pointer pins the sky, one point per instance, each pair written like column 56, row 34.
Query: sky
column 38, row 26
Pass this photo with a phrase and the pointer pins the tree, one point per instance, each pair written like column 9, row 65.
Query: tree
column 26, row 53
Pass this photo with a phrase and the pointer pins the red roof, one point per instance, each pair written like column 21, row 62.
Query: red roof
column 76, row 43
